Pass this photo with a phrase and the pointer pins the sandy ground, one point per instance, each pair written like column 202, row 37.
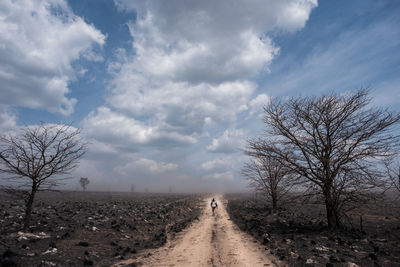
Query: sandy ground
column 212, row 241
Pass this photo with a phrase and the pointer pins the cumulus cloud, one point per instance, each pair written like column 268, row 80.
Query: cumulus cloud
column 39, row 41
column 205, row 41
column 256, row 104
column 192, row 72
column 8, row 119
column 230, row 142
column 219, row 176
column 127, row 134
column 145, row 165
column 218, row 164
column 180, row 106
column 194, row 61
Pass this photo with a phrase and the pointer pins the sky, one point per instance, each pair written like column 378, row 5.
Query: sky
column 166, row 92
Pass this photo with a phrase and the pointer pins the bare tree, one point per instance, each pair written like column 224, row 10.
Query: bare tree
column 270, row 177
column 333, row 142
column 84, row 181
column 36, row 156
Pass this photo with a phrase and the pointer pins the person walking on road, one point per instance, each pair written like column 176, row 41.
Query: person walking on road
column 214, row 205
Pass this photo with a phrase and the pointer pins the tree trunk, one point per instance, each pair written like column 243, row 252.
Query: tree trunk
column 274, row 202
column 331, row 212
column 28, row 207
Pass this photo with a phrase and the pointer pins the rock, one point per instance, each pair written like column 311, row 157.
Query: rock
column 310, row 261
column 47, row 264
column 322, row 249
column 32, row 237
column 50, row 251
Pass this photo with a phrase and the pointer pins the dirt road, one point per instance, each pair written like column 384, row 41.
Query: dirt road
column 212, row 241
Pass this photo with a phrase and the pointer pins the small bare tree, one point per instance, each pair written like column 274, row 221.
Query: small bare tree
column 84, row 182
column 36, row 156
column 333, row 142
column 269, row 177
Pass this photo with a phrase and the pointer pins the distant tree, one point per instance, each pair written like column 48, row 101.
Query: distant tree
column 333, row 142
column 269, row 177
column 84, row 182
column 36, row 156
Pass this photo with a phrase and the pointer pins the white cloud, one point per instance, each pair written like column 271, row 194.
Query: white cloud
column 193, row 69
column 180, row 106
column 199, row 60
column 205, row 41
column 256, row 104
column 218, row 164
column 8, row 119
column 126, row 133
column 219, row 176
column 146, row 166
column 194, row 61
column 39, row 40
column 230, row 142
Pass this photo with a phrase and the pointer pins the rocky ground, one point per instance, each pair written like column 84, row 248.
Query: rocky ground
column 84, row 229
column 299, row 236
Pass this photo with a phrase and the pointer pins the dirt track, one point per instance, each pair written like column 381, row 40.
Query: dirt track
column 212, row 241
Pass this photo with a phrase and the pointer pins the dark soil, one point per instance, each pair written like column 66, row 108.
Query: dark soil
column 84, row 229
column 298, row 235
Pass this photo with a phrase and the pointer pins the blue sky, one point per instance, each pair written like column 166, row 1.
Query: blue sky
column 166, row 92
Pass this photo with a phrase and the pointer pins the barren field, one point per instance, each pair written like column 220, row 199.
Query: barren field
column 124, row 229
column 84, row 229
column 298, row 234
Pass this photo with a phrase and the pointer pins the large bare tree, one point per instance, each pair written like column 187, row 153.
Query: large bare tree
column 334, row 142
column 37, row 157
column 270, row 177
